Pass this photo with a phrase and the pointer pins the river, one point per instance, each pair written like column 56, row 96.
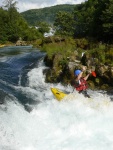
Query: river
column 32, row 119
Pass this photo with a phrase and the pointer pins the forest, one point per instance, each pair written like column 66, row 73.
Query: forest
column 91, row 19
column 46, row 14
column 13, row 25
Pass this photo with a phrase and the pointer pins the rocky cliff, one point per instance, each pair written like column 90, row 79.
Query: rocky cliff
column 61, row 69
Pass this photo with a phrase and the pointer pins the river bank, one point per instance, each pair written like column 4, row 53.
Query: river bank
column 2, row 45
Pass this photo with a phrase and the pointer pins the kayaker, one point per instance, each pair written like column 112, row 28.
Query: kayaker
column 80, row 83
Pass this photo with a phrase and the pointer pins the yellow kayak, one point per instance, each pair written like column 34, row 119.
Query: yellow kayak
column 59, row 95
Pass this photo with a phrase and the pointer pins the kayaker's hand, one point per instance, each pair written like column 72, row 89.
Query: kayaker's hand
column 83, row 68
column 89, row 71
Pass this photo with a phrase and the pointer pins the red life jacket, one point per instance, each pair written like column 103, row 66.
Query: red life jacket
column 82, row 86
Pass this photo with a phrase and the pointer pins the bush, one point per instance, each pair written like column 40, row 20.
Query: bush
column 65, row 48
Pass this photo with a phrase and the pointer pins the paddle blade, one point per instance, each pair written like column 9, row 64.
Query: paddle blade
column 93, row 73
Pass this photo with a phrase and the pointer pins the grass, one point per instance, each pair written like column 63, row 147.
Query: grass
column 63, row 48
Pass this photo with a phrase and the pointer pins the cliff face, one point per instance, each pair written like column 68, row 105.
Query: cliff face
column 62, row 70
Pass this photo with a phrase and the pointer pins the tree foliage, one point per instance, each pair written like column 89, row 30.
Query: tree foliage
column 43, row 27
column 13, row 25
column 94, row 18
column 10, row 4
column 64, row 23
column 46, row 14
column 107, row 20
column 91, row 19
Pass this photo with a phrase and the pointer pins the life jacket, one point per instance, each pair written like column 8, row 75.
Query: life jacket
column 82, row 86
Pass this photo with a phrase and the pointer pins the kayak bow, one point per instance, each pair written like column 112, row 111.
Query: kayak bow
column 59, row 95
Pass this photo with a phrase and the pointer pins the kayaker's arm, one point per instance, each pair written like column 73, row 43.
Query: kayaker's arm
column 86, row 77
column 80, row 75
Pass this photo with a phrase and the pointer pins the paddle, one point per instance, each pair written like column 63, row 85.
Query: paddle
column 93, row 73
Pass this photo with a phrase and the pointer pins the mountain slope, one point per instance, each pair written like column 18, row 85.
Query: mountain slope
column 46, row 14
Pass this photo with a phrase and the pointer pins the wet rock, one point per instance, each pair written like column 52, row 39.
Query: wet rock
column 62, row 70
column 20, row 42
column 2, row 97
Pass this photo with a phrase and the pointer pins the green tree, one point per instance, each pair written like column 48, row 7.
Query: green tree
column 103, row 20
column 107, row 21
column 65, row 23
column 13, row 25
column 12, row 19
column 94, row 18
column 10, row 5
column 83, row 14
column 31, row 34
column 43, row 27
column 3, row 25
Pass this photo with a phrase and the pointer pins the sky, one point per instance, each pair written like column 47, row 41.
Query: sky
column 24, row 5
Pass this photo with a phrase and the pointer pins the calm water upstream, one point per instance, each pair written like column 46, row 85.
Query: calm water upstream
column 32, row 119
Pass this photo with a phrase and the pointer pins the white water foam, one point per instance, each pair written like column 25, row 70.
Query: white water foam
column 3, row 59
column 75, row 123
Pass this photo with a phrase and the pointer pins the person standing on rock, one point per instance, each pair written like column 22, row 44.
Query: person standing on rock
column 80, row 82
